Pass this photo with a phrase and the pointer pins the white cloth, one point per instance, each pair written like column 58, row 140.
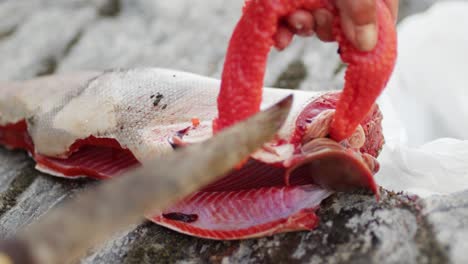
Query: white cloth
column 426, row 104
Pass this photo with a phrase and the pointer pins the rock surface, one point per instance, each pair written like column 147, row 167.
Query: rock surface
column 46, row 36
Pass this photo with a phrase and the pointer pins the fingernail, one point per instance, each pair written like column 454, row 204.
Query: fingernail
column 282, row 38
column 301, row 22
column 366, row 37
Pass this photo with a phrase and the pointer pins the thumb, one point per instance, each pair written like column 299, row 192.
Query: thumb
column 358, row 20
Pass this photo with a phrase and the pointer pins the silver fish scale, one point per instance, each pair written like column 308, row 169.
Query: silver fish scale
column 142, row 109
column 139, row 108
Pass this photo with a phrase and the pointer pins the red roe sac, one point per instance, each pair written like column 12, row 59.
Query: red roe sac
column 244, row 69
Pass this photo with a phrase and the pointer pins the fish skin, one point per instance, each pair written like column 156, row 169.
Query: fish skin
column 244, row 67
column 271, row 210
column 100, row 157
column 125, row 98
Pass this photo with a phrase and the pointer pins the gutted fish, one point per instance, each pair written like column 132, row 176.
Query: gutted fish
column 100, row 125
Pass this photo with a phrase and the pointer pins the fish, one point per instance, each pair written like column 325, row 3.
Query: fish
column 101, row 124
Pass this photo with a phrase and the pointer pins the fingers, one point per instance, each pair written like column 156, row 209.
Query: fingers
column 358, row 20
column 304, row 23
column 283, row 37
column 300, row 22
column 393, row 6
column 324, row 25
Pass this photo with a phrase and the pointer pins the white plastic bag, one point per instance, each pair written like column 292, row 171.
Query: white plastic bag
column 426, row 105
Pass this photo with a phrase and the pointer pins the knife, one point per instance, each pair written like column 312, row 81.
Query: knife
column 68, row 231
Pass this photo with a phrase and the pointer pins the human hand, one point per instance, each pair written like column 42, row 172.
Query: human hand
column 358, row 20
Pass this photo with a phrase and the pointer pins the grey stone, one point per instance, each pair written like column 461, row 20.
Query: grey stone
column 449, row 217
column 172, row 37
column 11, row 163
column 41, row 41
column 114, row 251
column 40, row 196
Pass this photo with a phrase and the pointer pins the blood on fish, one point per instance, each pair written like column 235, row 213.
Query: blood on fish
column 15, row 136
column 99, row 158
column 312, row 110
column 183, row 132
column 248, row 213
column 244, row 68
column 185, row 218
column 195, row 122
